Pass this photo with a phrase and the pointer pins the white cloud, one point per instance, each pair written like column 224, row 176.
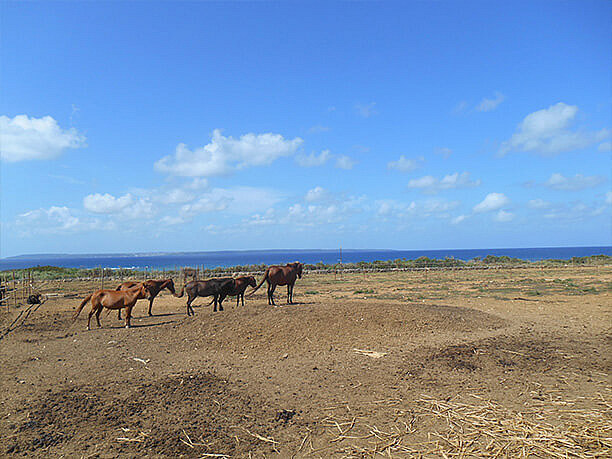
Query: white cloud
column 56, row 220
column 239, row 200
column 443, row 151
column 458, row 219
column 366, row 110
column 127, row 206
column 429, row 184
column 345, row 162
column 609, row 197
column 404, row 164
column 223, row 155
column 24, row 138
column 313, row 159
column 503, row 216
column 605, row 147
column 538, row 204
column 546, row 132
column 60, row 217
column 575, row 211
column 316, row 194
column 493, row 201
column 106, row 203
column 487, row 105
column 175, row 196
column 575, row 183
column 172, row 221
column 198, row 183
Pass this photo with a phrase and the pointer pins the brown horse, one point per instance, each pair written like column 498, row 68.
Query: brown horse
column 154, row 287
column 281, row 275
column 241, row 285
column 217, row 288
column 112, row 299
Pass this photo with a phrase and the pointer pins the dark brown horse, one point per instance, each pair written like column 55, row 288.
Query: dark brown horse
column 281, row 275
column 241, row 285
column 218, row 288
column 112, row 299
column 154, row 287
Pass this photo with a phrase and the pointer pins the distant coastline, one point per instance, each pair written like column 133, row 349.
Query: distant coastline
column 227, row 258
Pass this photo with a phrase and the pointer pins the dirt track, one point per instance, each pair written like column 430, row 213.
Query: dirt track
column 297, row 380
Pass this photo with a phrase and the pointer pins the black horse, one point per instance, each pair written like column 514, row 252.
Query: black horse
column 219, row 288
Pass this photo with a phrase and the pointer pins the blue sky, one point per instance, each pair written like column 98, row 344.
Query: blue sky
column 175, row 126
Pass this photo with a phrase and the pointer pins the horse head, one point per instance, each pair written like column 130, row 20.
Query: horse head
column 298, row 268
column 252, row 282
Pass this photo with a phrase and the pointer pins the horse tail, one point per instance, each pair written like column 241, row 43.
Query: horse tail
column 260, row 284
column 81, row 306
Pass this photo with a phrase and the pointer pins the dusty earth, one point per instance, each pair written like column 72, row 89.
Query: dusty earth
column 487, row 362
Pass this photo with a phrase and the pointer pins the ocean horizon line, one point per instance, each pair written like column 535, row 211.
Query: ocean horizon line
column 285, row 250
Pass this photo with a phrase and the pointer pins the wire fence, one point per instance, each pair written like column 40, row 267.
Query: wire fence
column 22, row 287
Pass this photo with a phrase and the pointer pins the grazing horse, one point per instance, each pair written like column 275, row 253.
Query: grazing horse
column 154, row 287
column 241, row 285
column 113, row 299
column 219, row 288
column 281, row 275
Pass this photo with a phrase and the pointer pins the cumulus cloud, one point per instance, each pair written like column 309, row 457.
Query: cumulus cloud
column 605, row 147
column 316, row 194
column 504, row 216
column 25, row 138
column 224, row 155
column 57, row 220
column 345, row 162
column 493, row 201
column 486, row 105
column 175, row 196
column 576, row 183
column 404, row 164
column 106, row 203
column 429, row 184
column 547, row 132
column 313, row 159
column 241, row 200
column 127, row 206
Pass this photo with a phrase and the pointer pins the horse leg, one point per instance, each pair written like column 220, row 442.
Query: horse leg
column 221, row 298
column 238, row 300
column 98, row 312
column 128, row 316
column 272, row 288
column 91, row 313
column 242, row 296
column 189, row 301
column 288, row 293
column 215, row 299
column 118, row 314
column 150, row 305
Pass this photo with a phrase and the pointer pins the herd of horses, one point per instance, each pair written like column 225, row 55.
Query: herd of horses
column 128, row 293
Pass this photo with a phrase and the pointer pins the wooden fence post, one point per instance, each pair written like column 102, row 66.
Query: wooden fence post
column 101, row 278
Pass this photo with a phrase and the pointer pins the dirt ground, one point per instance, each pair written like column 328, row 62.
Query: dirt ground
column 400, row 364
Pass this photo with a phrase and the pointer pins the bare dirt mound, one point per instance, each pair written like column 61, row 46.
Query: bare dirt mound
column 168, row 417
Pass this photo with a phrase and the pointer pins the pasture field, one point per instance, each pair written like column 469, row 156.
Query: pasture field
column 478, row 363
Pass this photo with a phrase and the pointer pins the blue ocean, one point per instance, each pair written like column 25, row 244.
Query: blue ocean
column 268, row 257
